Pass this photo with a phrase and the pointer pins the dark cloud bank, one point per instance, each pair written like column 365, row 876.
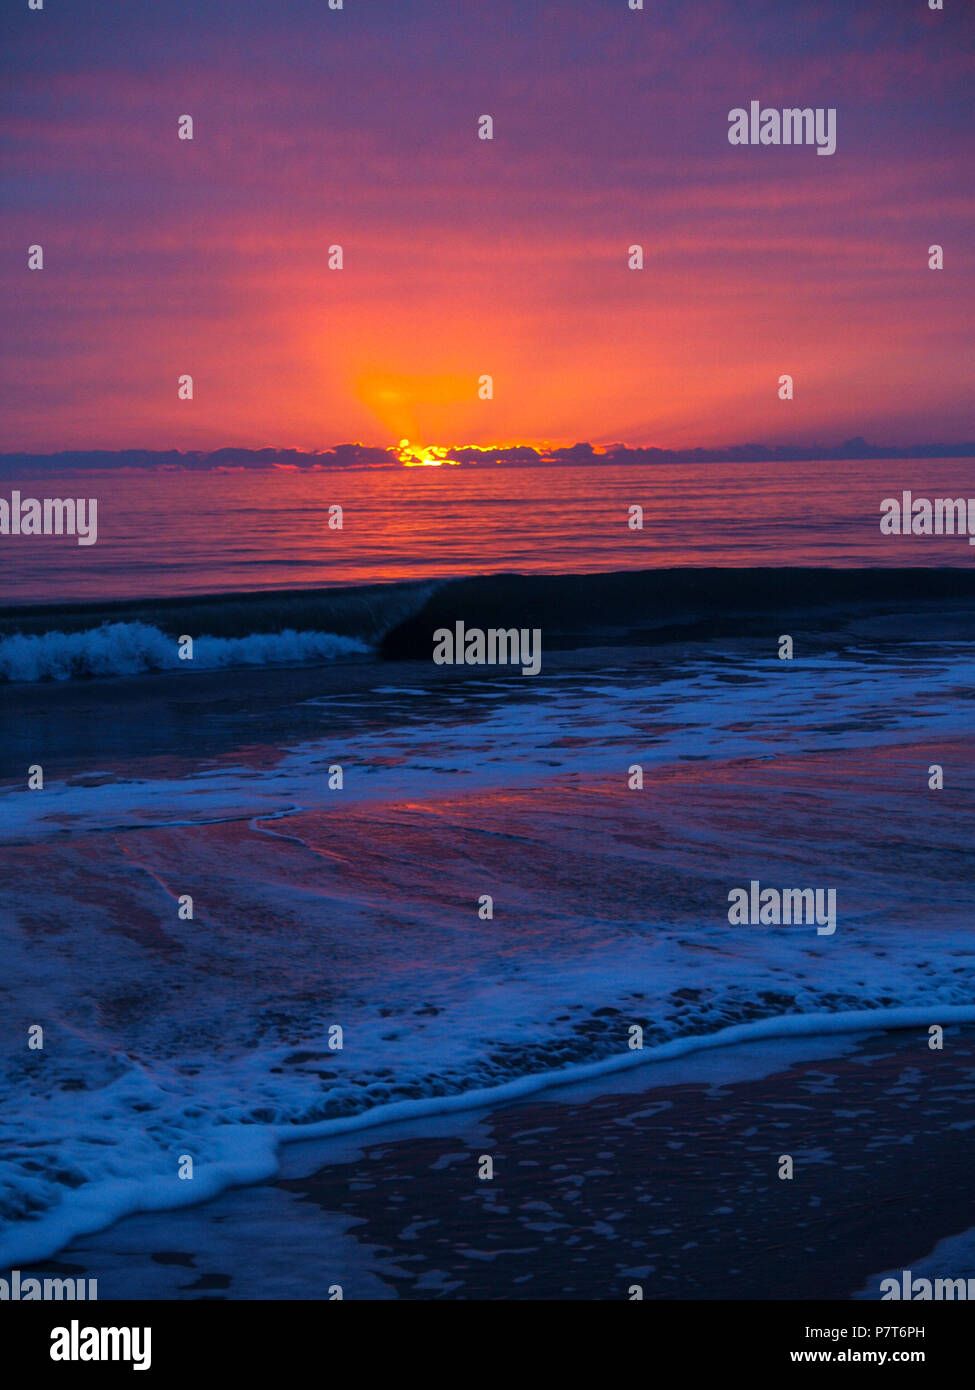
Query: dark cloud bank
column 364, row 456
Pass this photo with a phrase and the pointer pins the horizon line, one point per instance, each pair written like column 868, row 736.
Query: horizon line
column 406, row 455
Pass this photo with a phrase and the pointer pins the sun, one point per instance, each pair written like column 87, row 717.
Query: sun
column 436, row 455
column 422, row 456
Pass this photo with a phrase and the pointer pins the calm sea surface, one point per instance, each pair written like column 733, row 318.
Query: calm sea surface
column 184, row 533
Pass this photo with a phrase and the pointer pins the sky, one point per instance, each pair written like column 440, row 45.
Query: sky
column 465, row 257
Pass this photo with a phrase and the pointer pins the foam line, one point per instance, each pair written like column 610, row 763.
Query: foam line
column 254, row 1157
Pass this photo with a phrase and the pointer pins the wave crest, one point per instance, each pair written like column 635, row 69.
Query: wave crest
column 128, row 649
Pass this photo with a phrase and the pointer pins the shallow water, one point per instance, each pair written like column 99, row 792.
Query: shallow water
column 315, row 907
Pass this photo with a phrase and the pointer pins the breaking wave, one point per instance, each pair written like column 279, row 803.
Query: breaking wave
column 396, row 621
column 129, row 649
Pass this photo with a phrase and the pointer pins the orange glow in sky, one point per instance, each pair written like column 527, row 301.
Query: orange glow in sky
column 463, row 258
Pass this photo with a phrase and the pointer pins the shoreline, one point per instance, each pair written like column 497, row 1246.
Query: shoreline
column 669, row 1182
column 545, row 1011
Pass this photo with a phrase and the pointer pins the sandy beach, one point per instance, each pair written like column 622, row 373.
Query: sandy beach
column 667, row 1179
column 196, row 907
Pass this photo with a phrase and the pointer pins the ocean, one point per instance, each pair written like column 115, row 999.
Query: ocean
column 182, row 532
column 248, row 904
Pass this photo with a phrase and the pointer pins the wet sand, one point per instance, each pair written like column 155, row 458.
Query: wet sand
column 677, row 1189
column 668, row 1184
column 611, row 909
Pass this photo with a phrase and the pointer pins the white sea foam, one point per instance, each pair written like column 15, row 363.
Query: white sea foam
column 128, row 649
column 246, row 1153
column 165, row 1037
column 729, row 711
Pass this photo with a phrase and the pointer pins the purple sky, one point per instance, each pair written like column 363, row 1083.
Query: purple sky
column 464, row 257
